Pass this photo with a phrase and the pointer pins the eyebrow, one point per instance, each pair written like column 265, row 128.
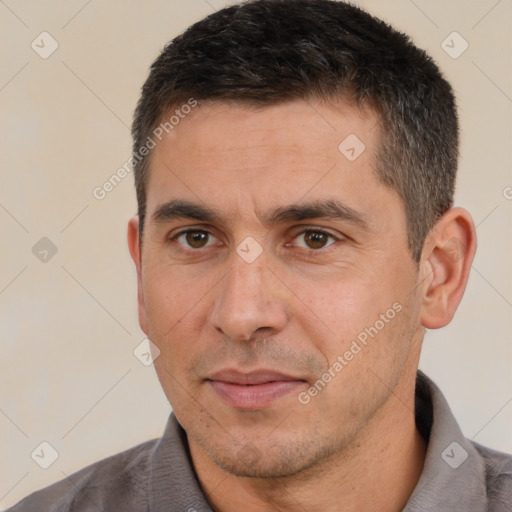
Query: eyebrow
column 328, row 209
column 184, row 209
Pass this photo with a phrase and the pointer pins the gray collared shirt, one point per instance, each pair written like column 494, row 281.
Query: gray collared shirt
column 157, row 476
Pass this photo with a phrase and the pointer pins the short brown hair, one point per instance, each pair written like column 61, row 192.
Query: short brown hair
column 265, row 52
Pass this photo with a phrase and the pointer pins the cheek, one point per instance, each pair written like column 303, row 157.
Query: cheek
column 176, row 310
column 362, row 316
column 171, row 293
column 342, row 309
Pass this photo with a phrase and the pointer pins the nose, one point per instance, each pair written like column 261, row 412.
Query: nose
column 249, row 298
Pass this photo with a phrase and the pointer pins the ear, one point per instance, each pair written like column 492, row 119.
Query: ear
column 445, row 264
column 134, row 244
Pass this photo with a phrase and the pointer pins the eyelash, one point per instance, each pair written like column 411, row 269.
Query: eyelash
column 175, row 237
column 317, row 231
column 307, row 229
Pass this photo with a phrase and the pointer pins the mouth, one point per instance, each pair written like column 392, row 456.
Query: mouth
column 253, row 390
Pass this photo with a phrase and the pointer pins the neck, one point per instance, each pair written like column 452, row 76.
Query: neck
column 378, row 472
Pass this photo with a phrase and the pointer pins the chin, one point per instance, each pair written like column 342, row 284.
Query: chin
column 268, row 460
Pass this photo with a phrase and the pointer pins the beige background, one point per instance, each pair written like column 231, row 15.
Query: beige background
column 69, row 326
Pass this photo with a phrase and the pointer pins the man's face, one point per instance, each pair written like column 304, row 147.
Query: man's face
column 268, row 256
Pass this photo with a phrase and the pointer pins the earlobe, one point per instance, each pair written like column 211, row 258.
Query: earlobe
column 446, row 262
column 134, row 244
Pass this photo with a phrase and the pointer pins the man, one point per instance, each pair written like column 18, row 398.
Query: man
column 295, row 164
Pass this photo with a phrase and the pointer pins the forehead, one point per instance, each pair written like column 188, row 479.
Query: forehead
column 270, row 131
column 241, row 158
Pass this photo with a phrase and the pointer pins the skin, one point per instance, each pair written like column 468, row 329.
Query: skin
column 295, row 309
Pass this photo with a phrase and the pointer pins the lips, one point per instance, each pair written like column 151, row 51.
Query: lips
column 251, row 378
column 253, row 390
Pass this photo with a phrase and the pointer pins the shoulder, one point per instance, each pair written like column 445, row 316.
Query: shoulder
column 119, row 479
column 498, row 475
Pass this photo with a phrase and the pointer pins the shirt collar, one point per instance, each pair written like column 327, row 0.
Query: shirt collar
column 453, row 476
column 173, row 482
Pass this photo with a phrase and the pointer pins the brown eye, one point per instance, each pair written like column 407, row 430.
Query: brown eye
column 314, row 239
column 195, row 239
